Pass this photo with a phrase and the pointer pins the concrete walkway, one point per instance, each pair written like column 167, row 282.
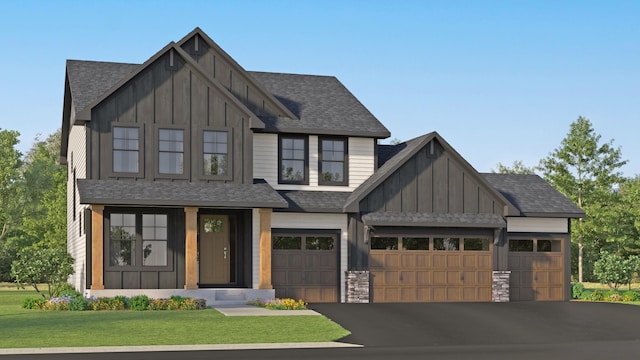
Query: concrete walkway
column 249, row 310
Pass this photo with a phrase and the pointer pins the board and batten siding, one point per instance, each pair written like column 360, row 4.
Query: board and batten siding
column 537, row 225
column 76, row 231
column 265, row 163
column 302, row 221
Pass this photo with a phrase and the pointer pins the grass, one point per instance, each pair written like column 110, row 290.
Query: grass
column 596, row 286
column 33, row 328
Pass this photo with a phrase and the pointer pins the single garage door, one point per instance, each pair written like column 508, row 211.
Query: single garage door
column 537, row 269
column 305, row 267
column 431, row 268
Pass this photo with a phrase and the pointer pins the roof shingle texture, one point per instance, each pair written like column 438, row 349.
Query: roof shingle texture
column 322, row 104
column 90, row 79
column 532, row 195
column 315, row 201
column 123, row 192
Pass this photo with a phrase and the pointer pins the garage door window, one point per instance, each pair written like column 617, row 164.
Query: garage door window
column 287, row 242
column 325, row 243
column 415, row 243
column 384, row 243
column 521, row 245
column 548, row 246
column 446, row 244
column 476, row 244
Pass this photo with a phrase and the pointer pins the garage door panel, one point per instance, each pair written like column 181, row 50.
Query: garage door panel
column 407, row 261
column 453, row 261
column 469, row 294
column 469, row 261
column 408, row 278
column 439, row 260
column 408, row 294
column 423, row 277
column 453, row 293
column 439, row 277
column 391, row 278
column 469, row 278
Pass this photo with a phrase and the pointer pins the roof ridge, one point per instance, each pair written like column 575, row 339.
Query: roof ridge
column 102, row 62
column 290, row 74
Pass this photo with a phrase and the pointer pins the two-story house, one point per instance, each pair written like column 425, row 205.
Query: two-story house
column 190, row 175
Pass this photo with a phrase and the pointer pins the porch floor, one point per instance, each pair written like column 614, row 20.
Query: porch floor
column 214, row 297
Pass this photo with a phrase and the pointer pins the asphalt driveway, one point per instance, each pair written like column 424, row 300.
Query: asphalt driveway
column 462, row 324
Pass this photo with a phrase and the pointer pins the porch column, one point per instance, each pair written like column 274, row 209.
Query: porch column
column 97, row 247
column 191, row 248
column 265, row 249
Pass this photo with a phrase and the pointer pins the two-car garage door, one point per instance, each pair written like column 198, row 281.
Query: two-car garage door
column 431, row 268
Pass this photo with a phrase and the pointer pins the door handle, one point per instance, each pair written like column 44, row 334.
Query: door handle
column 225, row 253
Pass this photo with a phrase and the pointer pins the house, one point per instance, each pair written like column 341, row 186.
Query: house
column 190, row 175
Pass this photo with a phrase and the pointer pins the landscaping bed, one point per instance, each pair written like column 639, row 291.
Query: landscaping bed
column 597, row 293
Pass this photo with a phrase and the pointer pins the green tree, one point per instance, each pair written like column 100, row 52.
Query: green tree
column 38, row 264
column 518, row 167
column 9, row 181
column 587, row 172
column 614, row 270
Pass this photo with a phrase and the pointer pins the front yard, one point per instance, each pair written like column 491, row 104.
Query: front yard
column 35, row 328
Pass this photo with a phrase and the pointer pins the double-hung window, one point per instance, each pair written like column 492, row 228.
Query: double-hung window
column 215, row 153
column 293, row 158
column 122, row 239
column 126, row 147
column 171, row 151
column 332, row 161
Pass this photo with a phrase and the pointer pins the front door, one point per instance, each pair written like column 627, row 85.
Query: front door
column 215, row 252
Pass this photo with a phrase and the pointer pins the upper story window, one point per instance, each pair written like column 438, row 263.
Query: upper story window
column 215, row 152
column 293, row 158
column 171, row 151
column 332, row 161
column 126, row 147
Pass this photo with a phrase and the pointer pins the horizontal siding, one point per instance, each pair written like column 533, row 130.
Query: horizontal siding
column 539, row 225
column 76, row 241
column 265, row 163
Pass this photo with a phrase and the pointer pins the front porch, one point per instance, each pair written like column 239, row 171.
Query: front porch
column 214, row 297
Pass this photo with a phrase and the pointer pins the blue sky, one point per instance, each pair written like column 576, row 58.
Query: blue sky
column 499, row 80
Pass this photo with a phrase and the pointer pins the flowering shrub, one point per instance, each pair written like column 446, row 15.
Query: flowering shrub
column 279, row 304
column 117, row 303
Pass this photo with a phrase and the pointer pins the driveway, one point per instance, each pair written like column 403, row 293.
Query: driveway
column 463, row 324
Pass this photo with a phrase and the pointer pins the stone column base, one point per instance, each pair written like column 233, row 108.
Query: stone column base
column 500, row 286
column 357, row 286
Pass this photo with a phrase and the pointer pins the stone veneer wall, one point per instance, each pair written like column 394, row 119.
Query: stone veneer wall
column 500, row 286
column 357, row 286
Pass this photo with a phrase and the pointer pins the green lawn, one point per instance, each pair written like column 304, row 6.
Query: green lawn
column 34, row 328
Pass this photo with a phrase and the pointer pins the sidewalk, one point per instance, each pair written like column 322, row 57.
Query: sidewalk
column 249, row 310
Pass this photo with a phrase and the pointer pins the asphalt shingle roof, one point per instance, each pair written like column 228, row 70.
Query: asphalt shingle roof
column 315, row 201
column 90, row 79
column 166, row 193
column 322, row 104
column 533, row 196
column 434, row 220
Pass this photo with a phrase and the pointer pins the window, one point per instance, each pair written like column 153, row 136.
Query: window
column 384, row 243
column 333, row 164
column 549, row 246
column 447, row 244
column 154, row 240
column 415, row 243
column 319, row 243
column 122, row 236
column 215, row 152
column 125, row 149
column 287, row 243
column 521, row 245
column 171, row 151
column 294, row 160
column 476, row 244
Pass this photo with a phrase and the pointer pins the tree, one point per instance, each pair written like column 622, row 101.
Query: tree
column 9, row 179
column 39, row 264
column 518, row 167
column 613, row 270
column 587, row 172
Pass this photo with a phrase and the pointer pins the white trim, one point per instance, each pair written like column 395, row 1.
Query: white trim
column 539, row 225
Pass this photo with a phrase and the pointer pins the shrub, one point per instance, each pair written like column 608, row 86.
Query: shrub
column 78, row 303
column 106, row 303
column 32, row 303
column 598, row 295
column 586, row 295
column 614, row 297
column 576, row 290
column 158, row 304
column 613, row 270
column 36, row 264
column 631, row 296
column 279, row 304
column 139, row 303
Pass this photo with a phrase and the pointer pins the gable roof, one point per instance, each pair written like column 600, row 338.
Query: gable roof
column 404, row 152
column 314, row 201
column 322, row 104
column 533, row 196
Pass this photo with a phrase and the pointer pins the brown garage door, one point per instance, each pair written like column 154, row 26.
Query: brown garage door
column 305, row 267
column 537, row 269
column 427, row 268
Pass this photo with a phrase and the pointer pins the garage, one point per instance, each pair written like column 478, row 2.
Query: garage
column 537, row 269
column 304, row 266
column 431, row 268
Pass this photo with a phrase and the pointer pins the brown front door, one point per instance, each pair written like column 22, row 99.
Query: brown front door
column 215, row 252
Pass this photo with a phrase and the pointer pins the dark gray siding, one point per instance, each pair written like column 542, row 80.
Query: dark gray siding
column 432, row 183
column 173, row 97
column 234, row 79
